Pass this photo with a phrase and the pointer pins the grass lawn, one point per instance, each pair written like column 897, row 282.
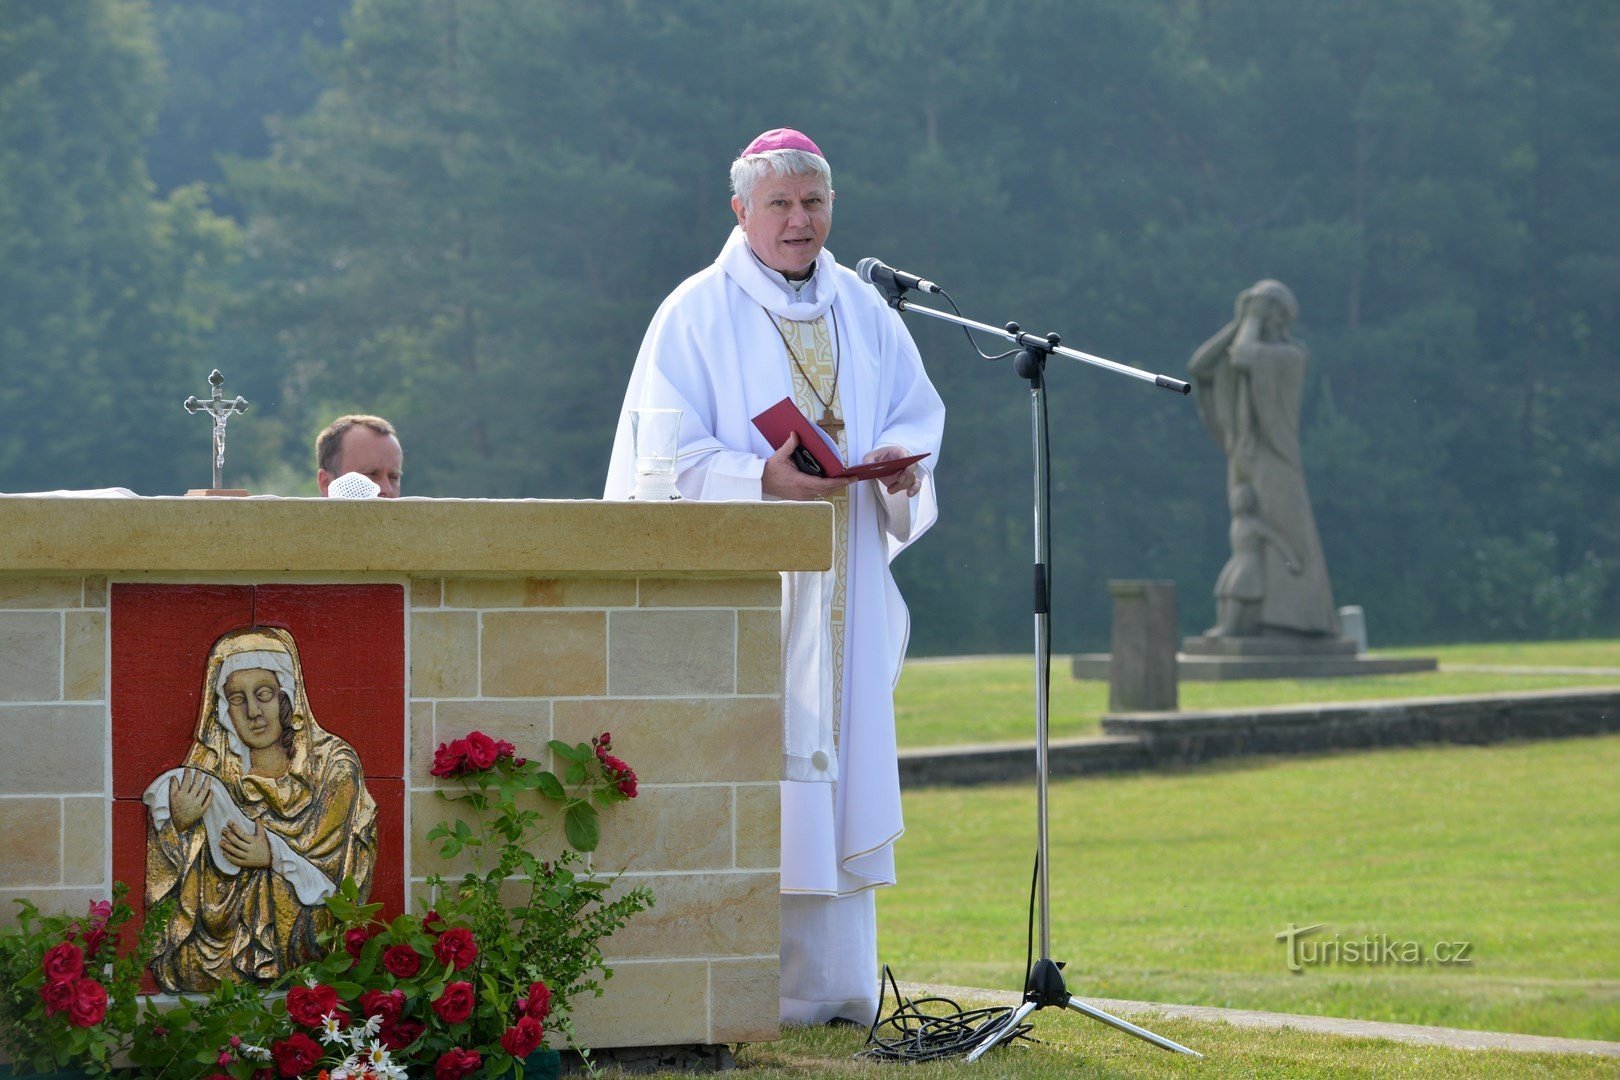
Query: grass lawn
column 1075, row 1046
column 992, row 699
column 1172, row 886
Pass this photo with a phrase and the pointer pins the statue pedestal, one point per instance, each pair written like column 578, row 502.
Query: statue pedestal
column 419, row 620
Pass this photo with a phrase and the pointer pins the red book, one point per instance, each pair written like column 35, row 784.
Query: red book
column 815, row 453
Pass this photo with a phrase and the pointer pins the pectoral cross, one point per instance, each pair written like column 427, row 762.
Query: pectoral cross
column 830, row 423
column 221, row 410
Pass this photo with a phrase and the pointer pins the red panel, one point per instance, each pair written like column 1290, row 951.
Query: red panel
column 161, row 635
column 351, row 641
column 129, row 866
column 388, row 883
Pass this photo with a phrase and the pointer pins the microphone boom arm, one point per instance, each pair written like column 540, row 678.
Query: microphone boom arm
column 1047, row 343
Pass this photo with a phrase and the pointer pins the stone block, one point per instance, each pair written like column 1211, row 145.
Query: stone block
column 444, row 654
column 1143, row 673
column 647, row 1003
column 419, row 765
column 540, row 592
column 95, row 592
column 702, row 915
column 41, row 592
column 544, row 653
column 62, row 901
column 426, row 592
column 84, row 656
column 759, row 652
column 524, row 724
column 676, row 741
column 53, row 749
column 745, row 1003
column 30, row 842
column 668, row 828
column 428, row 809
column 30, row 656
column 696, row 592
column 672, row 652
column 84, row 855
column 758, row 826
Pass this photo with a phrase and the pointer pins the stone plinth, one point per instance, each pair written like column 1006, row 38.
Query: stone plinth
column 1142, row 676
column 528, row 620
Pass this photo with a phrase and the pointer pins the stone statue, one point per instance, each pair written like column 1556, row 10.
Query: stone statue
column 252, row 833
column 1249, row 380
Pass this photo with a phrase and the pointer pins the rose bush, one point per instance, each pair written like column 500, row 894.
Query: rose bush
column 471, row 988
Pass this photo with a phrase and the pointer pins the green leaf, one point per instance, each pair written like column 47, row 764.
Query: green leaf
column 580, row 752
column 550, row 786
column 581, row 826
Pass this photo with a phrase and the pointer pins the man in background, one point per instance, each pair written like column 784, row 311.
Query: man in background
column 362, row 444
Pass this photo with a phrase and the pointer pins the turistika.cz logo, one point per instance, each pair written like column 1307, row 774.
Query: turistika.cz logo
column 1305, row 949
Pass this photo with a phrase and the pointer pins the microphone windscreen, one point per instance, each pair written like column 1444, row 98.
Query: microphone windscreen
column 865, row 267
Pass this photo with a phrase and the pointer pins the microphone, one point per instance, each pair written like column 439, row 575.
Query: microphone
column 873, row 272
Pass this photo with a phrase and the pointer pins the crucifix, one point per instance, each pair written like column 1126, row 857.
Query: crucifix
column 221, row 410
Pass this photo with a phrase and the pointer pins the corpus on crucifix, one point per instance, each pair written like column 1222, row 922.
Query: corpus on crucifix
column 221, row 410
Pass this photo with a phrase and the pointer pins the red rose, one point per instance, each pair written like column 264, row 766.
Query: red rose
column 387, row 1004
column 63, row 963
column 481, row 751
column 450, row 759
column 433, row 922
column 296, row 1054
column 622, row 775
column 455, row 1004
column 402, row 961
column 58, row 996
column 307, row 1004
column 538, row 1003
column 521, row 1039
column 456, row 948
column 93, row 939
column 354, row 941
column 456, row 1064
column 504, row 748
column 89, row 1003
column 627, row 784
column 400, row 1034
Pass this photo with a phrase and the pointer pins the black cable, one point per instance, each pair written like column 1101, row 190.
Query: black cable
column 971, row 339
column 912, row 1035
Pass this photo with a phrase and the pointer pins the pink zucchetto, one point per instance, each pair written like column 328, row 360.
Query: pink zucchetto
column 782, row 139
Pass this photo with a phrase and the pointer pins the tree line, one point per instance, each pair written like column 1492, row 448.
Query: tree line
column 461, row 214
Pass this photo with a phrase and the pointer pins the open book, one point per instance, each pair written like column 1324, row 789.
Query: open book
column 816, row 454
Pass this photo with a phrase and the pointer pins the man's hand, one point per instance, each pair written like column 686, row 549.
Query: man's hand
column 188, row 798
column 907, row 479
column 783, row 479
column 244, row 849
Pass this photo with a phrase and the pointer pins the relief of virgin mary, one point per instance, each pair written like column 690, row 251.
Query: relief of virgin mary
column 252, row 833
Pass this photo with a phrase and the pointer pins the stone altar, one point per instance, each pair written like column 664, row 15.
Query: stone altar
column 525, row 619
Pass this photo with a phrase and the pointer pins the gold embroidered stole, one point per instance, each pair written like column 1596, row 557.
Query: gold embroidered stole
column 813, row 345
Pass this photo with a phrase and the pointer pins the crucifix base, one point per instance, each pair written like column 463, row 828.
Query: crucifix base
column 235, row 493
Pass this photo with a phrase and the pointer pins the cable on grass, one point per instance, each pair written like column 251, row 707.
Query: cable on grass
column 911, row 1034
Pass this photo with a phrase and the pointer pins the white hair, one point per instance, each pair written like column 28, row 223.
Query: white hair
column 747, row 172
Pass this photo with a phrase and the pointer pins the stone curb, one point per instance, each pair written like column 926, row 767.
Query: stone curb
column 1453, row 1038
column 1152, row 740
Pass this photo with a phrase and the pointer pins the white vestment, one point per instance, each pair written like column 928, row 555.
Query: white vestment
column 713, row 352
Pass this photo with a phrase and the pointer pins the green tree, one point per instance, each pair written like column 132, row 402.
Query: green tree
column 105, row 293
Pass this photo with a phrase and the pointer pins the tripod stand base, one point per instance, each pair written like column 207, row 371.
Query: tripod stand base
column 1046, row 990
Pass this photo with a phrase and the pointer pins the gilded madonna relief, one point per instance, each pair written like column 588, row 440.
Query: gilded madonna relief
column 252, row 832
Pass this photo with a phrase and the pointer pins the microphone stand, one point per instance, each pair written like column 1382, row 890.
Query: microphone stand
column 1045, row 988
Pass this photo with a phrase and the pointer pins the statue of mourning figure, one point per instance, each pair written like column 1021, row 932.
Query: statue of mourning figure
column 1273, row 595
column 257, row 827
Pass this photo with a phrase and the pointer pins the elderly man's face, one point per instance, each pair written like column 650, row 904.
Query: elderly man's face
column 371, row 454
column 786, row 221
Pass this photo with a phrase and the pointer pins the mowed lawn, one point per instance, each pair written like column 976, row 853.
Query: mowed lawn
column 1172, row 886
column 992, row 699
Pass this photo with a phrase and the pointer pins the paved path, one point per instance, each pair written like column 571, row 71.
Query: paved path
column 1455, row 1038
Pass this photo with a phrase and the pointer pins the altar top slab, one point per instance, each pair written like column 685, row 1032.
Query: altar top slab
column 460, row 536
